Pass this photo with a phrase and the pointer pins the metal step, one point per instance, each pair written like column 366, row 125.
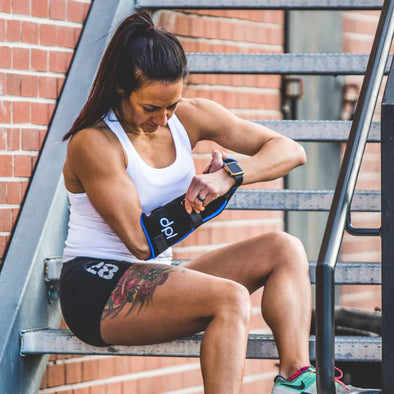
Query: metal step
column 263, row 4
column 349, row 272
column 300, row 200
column 318, row 130
column 282, row 63
column 44, row 341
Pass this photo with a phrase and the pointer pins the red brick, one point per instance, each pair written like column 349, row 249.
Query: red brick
column 21, row 112
column 4, row 239
column 86, row 7
column 13, row 85
column 67, row 37
column 5, row 219
column 20, row 58
column 59, row 85
column 5, row 165
column 21, row 7
column 48, row 35
column 5, row 57
column 6, row 6
column 353, row 25
column 3, row 192
column 84, row 390
column 13, row 139
column 76, row 11
column 41, row 113
column 57, row 9
column 24, row 186
column 39, row 8
column 89, row 370
column 59, row 61
column 48, row 87
column 76, row 35
column 43, row 134
column 56, row 375
column 13, row 193
column 30, row 32
column 22, row 165
column 31, row 139
column 5, row 112
column 98, row 390
column 73, row 372
column 13, row 30
column 29, row 86
column 2, row 30
column 39, row 60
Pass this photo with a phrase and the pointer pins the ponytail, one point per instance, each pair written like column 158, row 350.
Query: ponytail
column 137, row 52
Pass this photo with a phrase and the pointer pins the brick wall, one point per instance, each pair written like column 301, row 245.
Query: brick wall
column 359, row 30
column 37, row 41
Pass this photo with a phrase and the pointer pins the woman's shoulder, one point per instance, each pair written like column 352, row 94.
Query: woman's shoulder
column 203, row 118
column 94, row 141
column 194, row 106
column 93, row 136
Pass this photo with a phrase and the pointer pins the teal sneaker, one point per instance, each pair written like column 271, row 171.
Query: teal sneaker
column 304, row 382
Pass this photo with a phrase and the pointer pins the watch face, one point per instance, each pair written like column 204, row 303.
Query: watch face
column 234, row 167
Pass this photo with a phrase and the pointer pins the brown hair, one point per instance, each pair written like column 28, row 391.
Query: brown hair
column 138, row 51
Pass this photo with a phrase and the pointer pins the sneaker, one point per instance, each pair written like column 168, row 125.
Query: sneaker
column 304, row 382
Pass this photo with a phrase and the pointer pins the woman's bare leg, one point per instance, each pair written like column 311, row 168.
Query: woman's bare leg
column 277, row 261
column 165, row 303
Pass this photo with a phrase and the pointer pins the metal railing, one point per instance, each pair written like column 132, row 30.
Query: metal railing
column 387, row 150
column 325, row 299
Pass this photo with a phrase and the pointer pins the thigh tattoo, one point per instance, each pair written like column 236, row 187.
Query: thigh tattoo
column 136, row 288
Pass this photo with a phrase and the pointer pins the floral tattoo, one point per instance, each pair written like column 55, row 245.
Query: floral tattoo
column 136, row 288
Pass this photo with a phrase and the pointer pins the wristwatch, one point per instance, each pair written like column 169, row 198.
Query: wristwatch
column 233, row 169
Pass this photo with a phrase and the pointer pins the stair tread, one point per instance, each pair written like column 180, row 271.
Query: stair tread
column 262, row 4
column 300, row 200
column 349, row 272
column 279, row 63
column 318, row 130
column 38, row 341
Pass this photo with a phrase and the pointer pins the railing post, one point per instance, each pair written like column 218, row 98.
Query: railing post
column 325, row 321
column 387, row 157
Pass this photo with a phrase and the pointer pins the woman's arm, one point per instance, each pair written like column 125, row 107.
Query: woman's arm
column 268, row 155
column 98, row 164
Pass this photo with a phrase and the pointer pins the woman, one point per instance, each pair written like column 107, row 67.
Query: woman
column 129, row 152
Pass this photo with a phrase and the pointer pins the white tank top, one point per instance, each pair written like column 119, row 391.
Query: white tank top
column 89, row 235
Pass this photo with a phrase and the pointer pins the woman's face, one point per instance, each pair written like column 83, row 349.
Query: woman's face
column 152, row 104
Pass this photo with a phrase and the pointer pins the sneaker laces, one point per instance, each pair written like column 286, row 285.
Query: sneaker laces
column 337, row 379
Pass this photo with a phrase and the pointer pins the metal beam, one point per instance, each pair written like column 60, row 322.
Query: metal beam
column 42, row 224
column 281, row 63
column 263, row 4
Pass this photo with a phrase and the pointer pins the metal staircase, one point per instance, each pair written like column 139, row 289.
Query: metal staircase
column 28, row 286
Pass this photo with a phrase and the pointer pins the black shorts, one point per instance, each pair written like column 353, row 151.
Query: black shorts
column 85, row 287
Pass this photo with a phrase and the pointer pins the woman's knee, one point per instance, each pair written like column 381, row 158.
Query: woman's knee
column 234, row 302
column 289, row 250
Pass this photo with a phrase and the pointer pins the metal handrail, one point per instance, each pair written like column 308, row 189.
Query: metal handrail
column 350, row 167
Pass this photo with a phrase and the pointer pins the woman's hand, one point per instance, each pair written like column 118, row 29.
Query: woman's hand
column 211, row 184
